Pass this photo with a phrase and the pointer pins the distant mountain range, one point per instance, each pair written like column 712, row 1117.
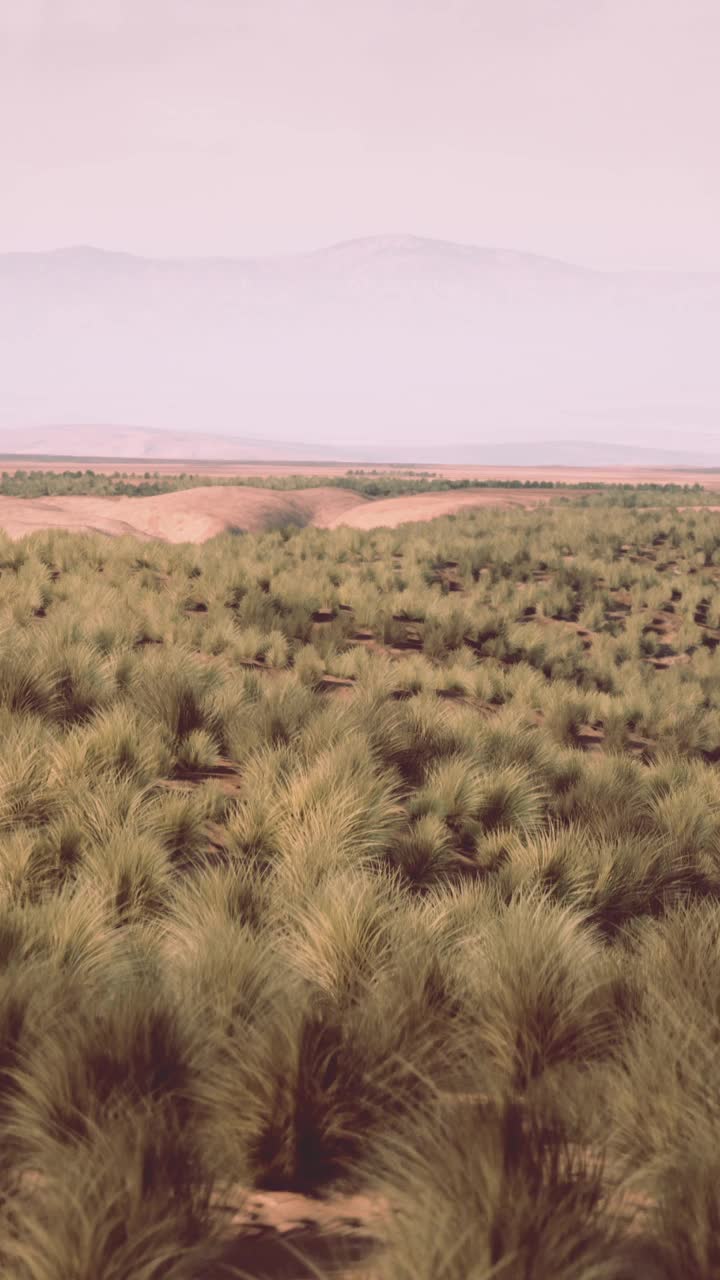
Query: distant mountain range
column 95, row 443
column 389, row 347
column 105, row 440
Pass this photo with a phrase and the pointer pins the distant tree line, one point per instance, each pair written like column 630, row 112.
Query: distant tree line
column 372, row 483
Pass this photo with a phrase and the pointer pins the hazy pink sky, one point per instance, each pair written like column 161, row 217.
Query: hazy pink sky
column 587, row 129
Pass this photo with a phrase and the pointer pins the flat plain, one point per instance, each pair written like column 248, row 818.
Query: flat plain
column 709, row 479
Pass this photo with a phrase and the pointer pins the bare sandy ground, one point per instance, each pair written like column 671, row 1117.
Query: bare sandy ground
column 194, row 515
column 390, row 512
column 191, row 515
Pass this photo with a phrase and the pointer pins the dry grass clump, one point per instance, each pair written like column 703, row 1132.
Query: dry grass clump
column 381, row 861
column 475, row 1200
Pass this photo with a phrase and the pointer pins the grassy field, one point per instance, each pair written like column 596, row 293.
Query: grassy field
column 378, row 863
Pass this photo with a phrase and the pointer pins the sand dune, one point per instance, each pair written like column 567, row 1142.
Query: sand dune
column 191, row 515
column 194, row 515
column 390, row 512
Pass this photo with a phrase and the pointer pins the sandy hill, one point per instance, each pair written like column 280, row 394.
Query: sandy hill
column 194, row 515
column 390, row 512
column 191, row 515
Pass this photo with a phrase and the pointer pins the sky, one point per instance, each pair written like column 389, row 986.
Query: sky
column 582, row 129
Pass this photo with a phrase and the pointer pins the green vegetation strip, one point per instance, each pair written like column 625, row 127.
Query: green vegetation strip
column 370, row 483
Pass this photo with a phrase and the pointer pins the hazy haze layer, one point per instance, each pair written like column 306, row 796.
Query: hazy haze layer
column 586, row 129
column 385, row 343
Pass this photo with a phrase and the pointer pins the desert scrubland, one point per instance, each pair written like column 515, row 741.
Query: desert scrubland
column 359, row 888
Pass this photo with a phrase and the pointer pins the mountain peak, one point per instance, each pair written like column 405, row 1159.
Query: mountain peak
column 402, row 247
column 395, row 242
